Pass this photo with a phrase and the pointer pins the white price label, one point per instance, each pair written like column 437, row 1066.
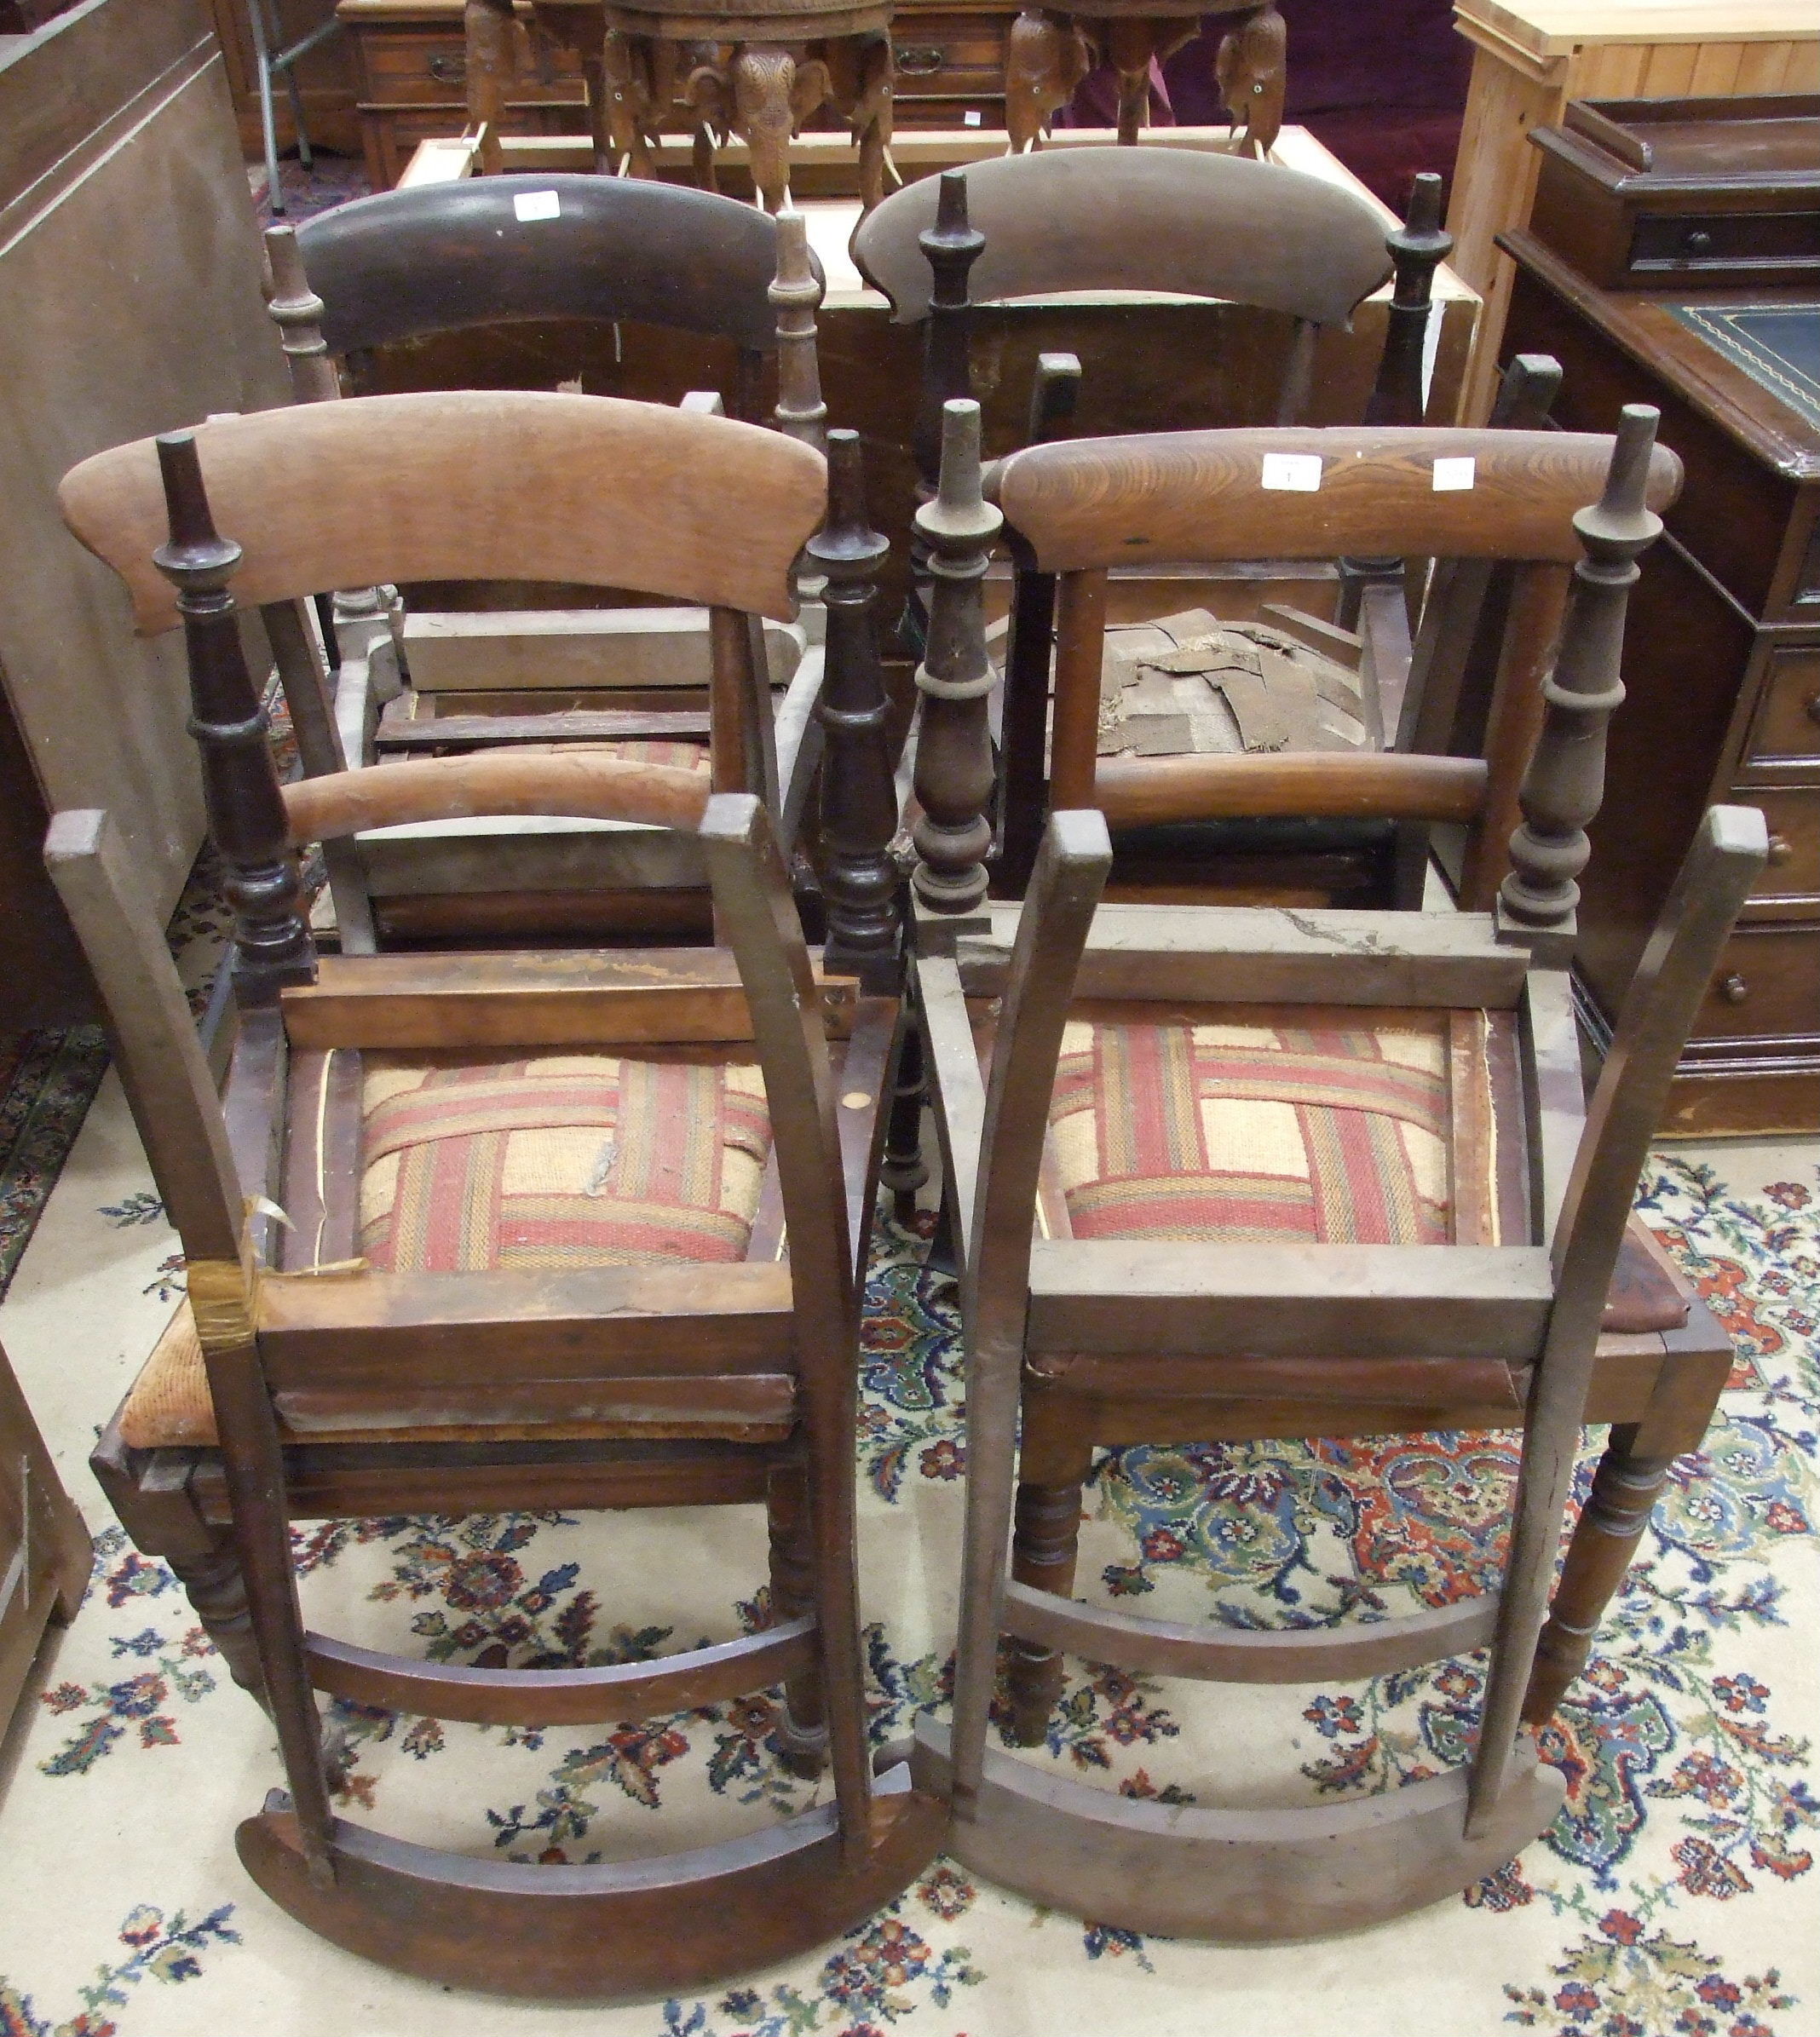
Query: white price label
column 972, row 117
column 537, row 204
column 1453, row 473
column 1299, row 472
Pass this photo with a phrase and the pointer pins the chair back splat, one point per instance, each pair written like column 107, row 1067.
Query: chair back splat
column 664, row 1352
column 1149, row 1254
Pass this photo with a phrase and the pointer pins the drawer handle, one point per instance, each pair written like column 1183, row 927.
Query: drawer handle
column 448, row 69
column 1699, row 243
column 1813, row 710
column 1781, row 850
column 1734, row 990
column 918, row 59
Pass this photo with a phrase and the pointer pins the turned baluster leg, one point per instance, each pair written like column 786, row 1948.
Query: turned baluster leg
column 246, row 812
column 955, row 772
column 1565, row 781
column 796, row 296
column 216, row 1586
column 489, row 28
column 903, row 1170
column 950, row 247
column 805, row 1726
column 1130, row 45
column 1045, row 1542
column 1418, row 247
column 1625, row 1489
column 860, row 880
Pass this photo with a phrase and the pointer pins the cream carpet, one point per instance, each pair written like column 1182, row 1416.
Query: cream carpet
column 1675, row 1898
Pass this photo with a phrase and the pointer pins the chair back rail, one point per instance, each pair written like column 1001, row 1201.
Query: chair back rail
column 1150, row 219
column 1207, row 497
column 477, row 485
column 438, row 257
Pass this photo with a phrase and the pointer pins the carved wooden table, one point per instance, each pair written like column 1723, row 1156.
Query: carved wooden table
column 1050, row 51
column 757, row 70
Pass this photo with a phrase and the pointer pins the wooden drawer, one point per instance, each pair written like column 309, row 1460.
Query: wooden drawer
column 1793, row 872
column 948, row 57
column 430, row 67
column 1787, row 723
column 1767, row 986
column 1743, row 245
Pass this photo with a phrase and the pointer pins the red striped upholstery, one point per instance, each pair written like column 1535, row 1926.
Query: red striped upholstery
column 1255, row 1132
column 567, row 1160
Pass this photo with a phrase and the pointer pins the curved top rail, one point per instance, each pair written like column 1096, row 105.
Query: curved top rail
column 1160, row 219
column 564, row 785
column 1379, row 494
column 441, row 256
column 470, row 485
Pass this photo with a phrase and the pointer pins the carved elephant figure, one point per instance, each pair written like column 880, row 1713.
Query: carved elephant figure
column 1045, row 58
column 863, row 80
column 772, row 95
column 1251, row 73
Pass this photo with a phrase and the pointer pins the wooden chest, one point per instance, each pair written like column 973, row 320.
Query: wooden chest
column 1722, row 658
column 1646, row 194
column 1531, row 57
column 412, row 74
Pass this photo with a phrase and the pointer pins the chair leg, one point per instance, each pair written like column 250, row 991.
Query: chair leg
column 1639, row 1457
column 216, row 1586
column 903, row 1171
column 793, row 1593
column 1046, row 1541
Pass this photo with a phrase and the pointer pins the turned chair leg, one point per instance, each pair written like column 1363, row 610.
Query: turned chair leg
column 1046, row 1541
column 903, row 1170
column 793, row 1594
column 216, row 1587
column 1639, row 1457
column 1625, row 1489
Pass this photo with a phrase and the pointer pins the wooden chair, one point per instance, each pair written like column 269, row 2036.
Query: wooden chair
column 409, row 263
column 420, row 1337
column 1207, row 226
column 1239, row 1172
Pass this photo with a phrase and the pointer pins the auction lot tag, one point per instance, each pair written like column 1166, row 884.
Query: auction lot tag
column 1453, row 473
column 539, row 204
column 1298, row 471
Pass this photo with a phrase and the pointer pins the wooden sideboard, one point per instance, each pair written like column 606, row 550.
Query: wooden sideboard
column 1722, row 672
column 411, row 67
column 1529, row 57
column 44, row 1548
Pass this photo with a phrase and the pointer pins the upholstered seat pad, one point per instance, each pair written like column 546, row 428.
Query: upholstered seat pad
column 1256, row 1130
column 560, row 1161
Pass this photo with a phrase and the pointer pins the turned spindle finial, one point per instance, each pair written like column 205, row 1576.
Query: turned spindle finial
column 246, row 813
column 859, row 879
column 296, row 310
column 951, row 246
column 953, row 762
column 1417, row 248
column 796, row 293
column 1565, row 781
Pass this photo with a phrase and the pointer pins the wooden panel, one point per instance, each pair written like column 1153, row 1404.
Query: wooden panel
column 1163, row 1648
column 1767, row 983
column 430, row 488
column 319, row 1332
column 114, row 121
column 577, row 649
column 1203, row 495
column 1250, row 1876
column 563, row 1697
column 1787, row 718
column 1286, row 1300
column 44, row 1552
column 1267, row 955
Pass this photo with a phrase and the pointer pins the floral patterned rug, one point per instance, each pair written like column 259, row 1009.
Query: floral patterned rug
column 1667, row 1901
